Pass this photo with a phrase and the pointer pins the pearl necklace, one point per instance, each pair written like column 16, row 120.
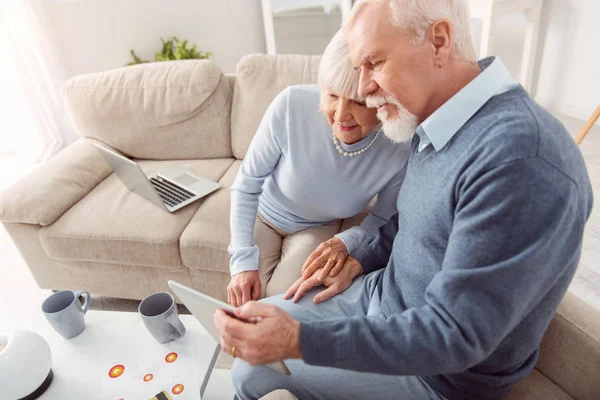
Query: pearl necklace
column 340, row 150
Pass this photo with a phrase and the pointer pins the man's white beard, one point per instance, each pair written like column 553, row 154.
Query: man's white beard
column 399, row 128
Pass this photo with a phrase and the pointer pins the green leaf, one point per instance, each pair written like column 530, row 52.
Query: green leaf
column 136, row 59
column 174, row 49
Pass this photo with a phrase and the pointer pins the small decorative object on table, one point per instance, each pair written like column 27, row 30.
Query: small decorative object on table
column 24, row 351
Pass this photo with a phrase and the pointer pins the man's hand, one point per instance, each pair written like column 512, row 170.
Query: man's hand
column 243, row 287
column 274, row 336
column 327, row 260
column 335, row 285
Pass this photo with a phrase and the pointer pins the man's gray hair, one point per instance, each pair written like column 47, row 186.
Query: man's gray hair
column 416, row 16
column 336, row 73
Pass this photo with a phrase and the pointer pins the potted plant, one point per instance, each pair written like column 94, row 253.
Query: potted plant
column 173, row 49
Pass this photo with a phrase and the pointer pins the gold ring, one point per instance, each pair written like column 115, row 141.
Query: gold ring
column 233, row 352
column 332, row 259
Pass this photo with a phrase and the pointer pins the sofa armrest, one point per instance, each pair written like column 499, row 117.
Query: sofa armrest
column 570, row 350
column 47, row 192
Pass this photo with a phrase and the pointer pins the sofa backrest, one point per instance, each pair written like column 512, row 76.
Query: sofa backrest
column 165, row 110
column 259, row 78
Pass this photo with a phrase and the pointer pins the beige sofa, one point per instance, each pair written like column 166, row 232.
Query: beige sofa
column 77, row 226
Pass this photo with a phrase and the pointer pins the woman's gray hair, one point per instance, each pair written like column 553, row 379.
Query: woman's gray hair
column 336, row 74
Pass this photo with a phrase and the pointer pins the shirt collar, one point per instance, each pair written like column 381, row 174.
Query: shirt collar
column 443, row 124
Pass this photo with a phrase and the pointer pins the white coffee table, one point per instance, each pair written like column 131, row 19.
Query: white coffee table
column 79, row 364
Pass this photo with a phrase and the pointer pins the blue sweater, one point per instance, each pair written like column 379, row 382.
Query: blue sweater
column 294, row 177
column 486, row 241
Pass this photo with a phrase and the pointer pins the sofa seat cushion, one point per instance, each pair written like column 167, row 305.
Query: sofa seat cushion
column 570, row 349
column 279, row 394
column 537, row 386
column 114, row 225
column 204, row 241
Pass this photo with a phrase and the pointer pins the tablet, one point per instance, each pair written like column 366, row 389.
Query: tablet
column 203, row 307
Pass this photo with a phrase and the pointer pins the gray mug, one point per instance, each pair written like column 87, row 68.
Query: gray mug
column 159, row 313
column 65, row 313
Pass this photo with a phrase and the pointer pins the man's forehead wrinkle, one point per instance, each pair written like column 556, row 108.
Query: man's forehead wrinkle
column 371, row 56
column 357, row 48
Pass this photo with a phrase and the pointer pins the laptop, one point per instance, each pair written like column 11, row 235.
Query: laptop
column 170, row 189
column 203, row 307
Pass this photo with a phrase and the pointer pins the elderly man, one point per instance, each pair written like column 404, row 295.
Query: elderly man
column 451, row 298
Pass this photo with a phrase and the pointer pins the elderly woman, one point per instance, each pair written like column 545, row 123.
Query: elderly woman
column 318, row 157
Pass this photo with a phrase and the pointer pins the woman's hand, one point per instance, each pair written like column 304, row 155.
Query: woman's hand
column 330, row 255
column 243, row 287
column 334, row 285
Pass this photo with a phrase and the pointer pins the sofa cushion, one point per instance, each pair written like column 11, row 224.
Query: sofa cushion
column 259, row 79
column 204, row 241
column 44, row 194
column 161, row 111
column 570, row 349
column 279, row 394
column 114, row 225
column 536, row 386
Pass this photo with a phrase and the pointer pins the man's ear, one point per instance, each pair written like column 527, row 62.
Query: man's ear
column 441, row 34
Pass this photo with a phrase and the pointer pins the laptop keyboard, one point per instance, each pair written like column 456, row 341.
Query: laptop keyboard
column 169, row 192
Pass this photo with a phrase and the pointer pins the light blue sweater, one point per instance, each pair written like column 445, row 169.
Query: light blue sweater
column 295, row 178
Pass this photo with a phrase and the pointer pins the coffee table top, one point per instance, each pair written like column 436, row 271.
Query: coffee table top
column 81, row 364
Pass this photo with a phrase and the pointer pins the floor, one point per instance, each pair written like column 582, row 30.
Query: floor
column 19, row 293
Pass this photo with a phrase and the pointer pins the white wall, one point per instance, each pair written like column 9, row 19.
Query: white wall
column 305, row 31
column 569, row 74
column 96, row 35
